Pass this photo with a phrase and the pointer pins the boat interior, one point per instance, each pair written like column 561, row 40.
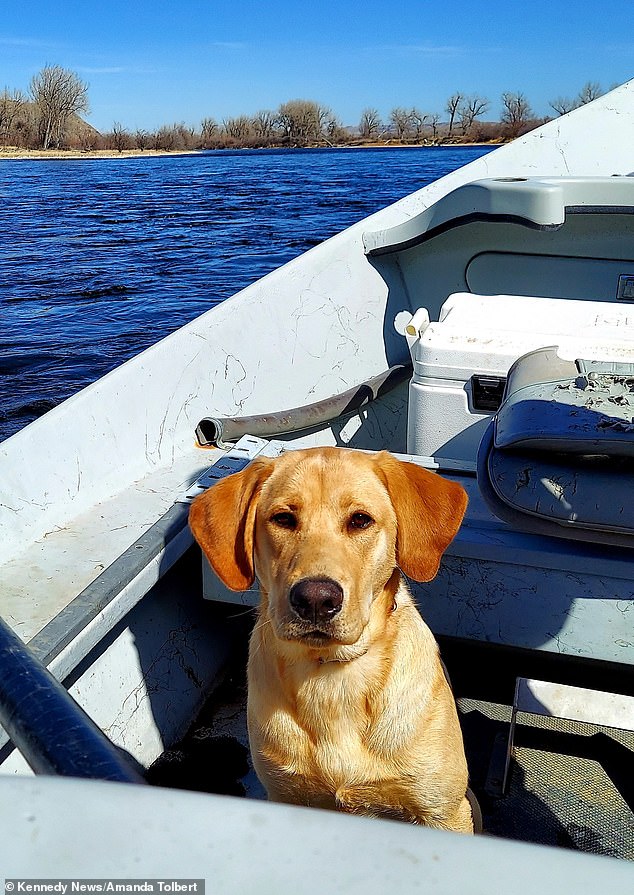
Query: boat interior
column 519, row 609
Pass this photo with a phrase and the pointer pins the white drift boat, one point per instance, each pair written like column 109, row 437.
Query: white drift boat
column 483, row 326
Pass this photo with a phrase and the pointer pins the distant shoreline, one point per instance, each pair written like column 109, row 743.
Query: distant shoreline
column 8, row 153
column 53, row 154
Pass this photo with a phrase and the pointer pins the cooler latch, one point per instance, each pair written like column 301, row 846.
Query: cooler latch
column 487, row 392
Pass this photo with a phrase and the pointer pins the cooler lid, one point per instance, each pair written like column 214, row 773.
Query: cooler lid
column 487, row 333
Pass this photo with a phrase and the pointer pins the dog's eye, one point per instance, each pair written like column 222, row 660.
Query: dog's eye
column 360, row 520
column 284, row 520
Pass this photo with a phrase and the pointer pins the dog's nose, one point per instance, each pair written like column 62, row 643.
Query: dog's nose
column 316, row 599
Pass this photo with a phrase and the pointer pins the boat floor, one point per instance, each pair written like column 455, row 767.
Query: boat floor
column 570, row 784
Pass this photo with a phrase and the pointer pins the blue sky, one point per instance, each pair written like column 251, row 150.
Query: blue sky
column 150, row 63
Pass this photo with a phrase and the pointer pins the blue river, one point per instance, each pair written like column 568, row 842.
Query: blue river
column 101, row 258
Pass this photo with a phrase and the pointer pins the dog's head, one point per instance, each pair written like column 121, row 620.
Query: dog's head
column 324, row 530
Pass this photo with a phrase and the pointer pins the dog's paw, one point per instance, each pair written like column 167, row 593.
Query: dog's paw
column 356, row 800
column 371, row 801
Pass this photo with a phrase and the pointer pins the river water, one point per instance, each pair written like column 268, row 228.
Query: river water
column 101, row 258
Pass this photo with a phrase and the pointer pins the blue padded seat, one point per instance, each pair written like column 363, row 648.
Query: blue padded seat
column 558, row 457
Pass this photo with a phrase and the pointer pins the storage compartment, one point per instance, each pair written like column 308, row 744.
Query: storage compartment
column 461, row 361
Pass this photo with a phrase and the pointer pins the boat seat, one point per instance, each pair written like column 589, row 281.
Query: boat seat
column 558, row 457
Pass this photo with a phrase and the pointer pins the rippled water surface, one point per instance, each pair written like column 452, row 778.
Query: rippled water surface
column 100, row 258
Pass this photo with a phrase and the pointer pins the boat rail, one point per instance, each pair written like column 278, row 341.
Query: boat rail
column 49, row 728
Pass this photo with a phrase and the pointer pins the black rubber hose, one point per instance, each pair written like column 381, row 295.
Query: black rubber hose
column 53, row 733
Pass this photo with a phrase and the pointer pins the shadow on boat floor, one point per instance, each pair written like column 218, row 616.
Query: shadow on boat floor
column 570, row 785
column 213, row 756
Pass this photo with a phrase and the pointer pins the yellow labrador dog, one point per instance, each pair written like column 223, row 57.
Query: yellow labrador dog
column 348, row 704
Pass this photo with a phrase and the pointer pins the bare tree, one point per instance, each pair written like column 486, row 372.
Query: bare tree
column 453, row 105
column 516, row 112
column 401, row 122
column 90, row 139
column 471, row 108
column 209, row 132
column 173, row 138
column 562, row 105
column 24, row 129
column 370, row 124
column 142, row 138
column 301, row 121
column 184, row 136
column 119, row 137
column 264, row 126
column 332, row 129
column 417, row 121
column 591, row 90
column 238, row 128
column 12, row 107
column 58, row 94
column 163, row 138
column 434, row 123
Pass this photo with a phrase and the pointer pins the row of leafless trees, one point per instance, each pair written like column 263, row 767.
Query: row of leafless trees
column 49, row 116
column 45, row 116
column 463, row 119
column 305, row 123
column 295, row 123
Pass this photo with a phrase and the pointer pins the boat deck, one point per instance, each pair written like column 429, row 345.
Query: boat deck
column 570, row 784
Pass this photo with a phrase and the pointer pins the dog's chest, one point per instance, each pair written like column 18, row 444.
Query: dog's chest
column 332, row 727
column 334, row 739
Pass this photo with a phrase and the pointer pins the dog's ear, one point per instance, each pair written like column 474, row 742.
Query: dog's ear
column 429, row 510
column 222, row 520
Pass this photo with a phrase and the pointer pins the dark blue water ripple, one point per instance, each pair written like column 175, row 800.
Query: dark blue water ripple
column 100, row 258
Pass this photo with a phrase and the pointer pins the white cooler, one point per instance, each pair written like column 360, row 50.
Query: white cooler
column 461, row 362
